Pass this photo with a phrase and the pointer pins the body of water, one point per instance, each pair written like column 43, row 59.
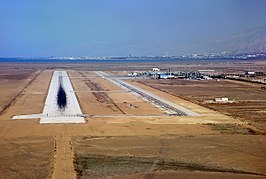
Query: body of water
column 148, row 60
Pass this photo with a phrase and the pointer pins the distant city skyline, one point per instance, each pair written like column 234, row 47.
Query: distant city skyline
column 120, row 27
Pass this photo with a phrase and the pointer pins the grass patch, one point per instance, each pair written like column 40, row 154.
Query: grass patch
column 100, row 165
column 233, row 129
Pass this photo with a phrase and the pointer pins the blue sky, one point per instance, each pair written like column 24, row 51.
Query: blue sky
column 120, row 27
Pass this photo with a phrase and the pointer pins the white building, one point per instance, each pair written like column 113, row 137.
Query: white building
column 221, row 99
column 155, row 69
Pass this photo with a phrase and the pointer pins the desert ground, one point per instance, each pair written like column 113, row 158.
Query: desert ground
column 248, row 98
column 127, row 137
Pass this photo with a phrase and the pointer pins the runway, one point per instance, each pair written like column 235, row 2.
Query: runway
column 52, row 113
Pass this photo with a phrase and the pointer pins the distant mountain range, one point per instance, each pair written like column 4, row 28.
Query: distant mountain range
column 251, row 41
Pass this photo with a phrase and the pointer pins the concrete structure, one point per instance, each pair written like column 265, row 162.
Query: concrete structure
column 51, row 112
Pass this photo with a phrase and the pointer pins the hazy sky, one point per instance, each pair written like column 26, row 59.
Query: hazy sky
column 120, row 27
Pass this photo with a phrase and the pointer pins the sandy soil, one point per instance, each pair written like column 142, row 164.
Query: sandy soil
column 12, row 82
column 25, row 157
column 216, row 151
column 109, row 101
column 148, row 154
column 249, row 99
column 180, row 143
column 25, row 153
